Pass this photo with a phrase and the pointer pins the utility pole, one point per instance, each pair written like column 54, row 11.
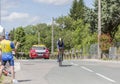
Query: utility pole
column 52, row 41
column 38, row 38
column 99, row 27
column 0, row 11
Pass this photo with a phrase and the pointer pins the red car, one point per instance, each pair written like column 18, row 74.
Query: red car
column 39, row 51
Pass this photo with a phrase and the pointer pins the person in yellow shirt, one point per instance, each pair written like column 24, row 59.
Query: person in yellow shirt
column 7, row 47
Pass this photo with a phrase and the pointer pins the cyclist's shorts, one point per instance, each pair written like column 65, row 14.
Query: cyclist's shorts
column 11, row 62
column 60, row 48
column 7, row 57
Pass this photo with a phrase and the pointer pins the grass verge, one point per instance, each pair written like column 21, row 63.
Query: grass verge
column 5, row 80
column 2, row 79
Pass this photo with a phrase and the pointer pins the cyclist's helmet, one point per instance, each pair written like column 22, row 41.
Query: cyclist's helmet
column 60, row 41
column 7, row 36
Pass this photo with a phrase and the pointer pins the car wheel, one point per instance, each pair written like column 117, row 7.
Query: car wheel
column 46, row 58
column 31, row 58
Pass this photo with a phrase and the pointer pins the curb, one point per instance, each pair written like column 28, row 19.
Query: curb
column 99, row 60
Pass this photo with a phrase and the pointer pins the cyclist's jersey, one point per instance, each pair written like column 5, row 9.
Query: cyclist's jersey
column 6, row 47
column 60, row 44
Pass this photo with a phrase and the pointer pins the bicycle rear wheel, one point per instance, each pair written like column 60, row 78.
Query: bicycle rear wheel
column 60, row 59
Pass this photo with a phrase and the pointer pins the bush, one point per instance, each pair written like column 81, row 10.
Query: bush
column 105, row 42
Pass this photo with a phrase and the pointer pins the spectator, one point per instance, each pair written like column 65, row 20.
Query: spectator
column 7, row 47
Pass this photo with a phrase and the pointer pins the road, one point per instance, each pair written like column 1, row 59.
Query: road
column 42, row 71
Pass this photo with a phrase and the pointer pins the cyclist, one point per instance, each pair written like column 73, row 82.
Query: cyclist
column 7, row 47
column 60, row 46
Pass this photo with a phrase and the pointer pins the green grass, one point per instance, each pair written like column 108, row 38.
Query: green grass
column 2, row 78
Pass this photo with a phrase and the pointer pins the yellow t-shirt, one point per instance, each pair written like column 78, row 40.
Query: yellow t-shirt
column 6, row 46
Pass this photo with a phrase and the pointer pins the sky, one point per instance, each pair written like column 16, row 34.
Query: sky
column 15, row 13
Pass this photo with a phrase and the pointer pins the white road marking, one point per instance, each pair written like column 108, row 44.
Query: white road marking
column 87, row 69
column 105, row 77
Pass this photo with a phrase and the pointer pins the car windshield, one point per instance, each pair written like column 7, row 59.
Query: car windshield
column 38, row 48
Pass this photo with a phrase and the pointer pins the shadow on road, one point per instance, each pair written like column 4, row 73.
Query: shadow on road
column 23, row 80
column 65, row 65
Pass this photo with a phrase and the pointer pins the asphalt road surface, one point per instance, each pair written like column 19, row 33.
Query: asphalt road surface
column 42, row 71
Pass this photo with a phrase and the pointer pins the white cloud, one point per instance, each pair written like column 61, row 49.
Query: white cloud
column 20, row 19
column 55, row 2
column 15, row 16
column 5, row 6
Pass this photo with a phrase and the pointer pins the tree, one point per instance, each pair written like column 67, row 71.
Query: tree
column 68, row 39
column 77, row 10
column 82, row 38
column 12, row 33
column 82, row 35
column 30, row 40
column 73, row 10
column 65, row 22
column 117, row 38
column 20, row 37
column 117, row 35
column 29, row 30
column 110, row 16
column 91, row 18
column 80, row 9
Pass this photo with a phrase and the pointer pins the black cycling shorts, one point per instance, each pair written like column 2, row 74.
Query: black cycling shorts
column 11, row 62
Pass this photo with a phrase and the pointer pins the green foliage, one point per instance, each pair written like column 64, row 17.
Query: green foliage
column 117, row 35
column 110, row 16
column 91, row 18
column 30, row 40
column 82, row 35
column 19, row 34
column 73, row 10
column 20, row 37
column 12, row 34
column 65, row 22
column 68, row 39
column 77, row 10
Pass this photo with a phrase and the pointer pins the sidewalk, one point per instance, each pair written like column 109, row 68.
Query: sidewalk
column 101, row 60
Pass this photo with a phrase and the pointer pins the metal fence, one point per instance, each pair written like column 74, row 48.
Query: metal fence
column 90, row 53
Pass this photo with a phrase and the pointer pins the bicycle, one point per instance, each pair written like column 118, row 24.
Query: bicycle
column 60, row 57
column 6, row 71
